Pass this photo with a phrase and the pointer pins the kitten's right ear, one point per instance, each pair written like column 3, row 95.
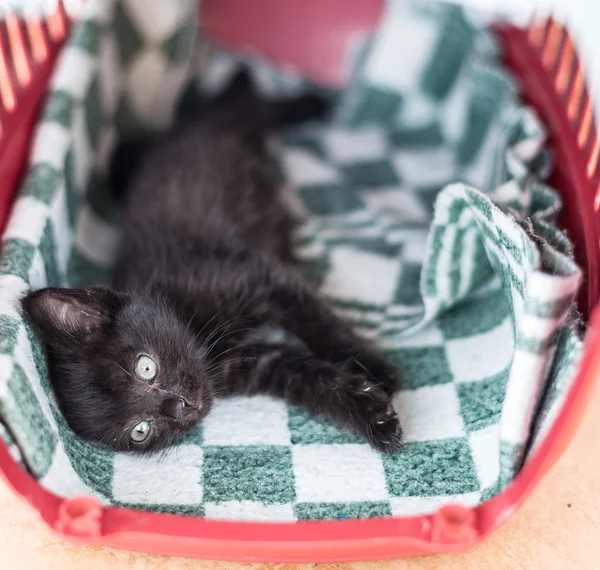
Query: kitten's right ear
column 71, row 316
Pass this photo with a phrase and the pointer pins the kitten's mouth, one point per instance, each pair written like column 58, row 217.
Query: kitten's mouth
column 191, row 410
column 198, row 413
column 192, row 416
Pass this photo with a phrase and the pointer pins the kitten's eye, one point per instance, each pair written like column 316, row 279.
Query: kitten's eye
column 140, row 432
column 145, row 368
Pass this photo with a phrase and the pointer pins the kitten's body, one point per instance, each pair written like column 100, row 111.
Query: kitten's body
column 201, row 267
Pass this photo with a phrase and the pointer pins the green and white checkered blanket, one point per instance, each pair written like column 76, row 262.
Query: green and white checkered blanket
column 426, row 225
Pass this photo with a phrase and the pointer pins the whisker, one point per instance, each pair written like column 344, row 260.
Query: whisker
column 233, row 359
column 364, row 368
column 173, row 450
column 208, row 322
column 370, row 430
column 213, row 367
column 187, row 329
column 216, row 331
column 230, row 361
column 163, row 455
column 212, row 334
column 225, row 334
column 111, row 441
column 215, row 342
column 233, row 347
column 229, row 371
column 220, row 391
column 123, row 369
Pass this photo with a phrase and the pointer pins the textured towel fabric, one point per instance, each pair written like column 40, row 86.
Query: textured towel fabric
column 426, row 225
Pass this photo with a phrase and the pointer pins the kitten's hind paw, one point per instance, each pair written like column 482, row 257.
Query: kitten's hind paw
column 307, row 107
column 314, row 106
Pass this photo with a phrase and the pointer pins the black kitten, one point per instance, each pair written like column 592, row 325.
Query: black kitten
column 200, row 268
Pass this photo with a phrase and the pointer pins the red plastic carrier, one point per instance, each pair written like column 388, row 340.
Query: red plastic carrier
column 311, row 36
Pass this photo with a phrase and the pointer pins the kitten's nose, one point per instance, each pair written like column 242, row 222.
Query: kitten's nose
column 176, row 408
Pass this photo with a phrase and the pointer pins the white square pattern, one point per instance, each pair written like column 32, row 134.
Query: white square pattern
column 338, row 473
column 431, row 412
column 412, row 506
column 35, row 212
column 62, row 479
column 485, row 449
column 374, row 282
column 161, row 21
column 83, row 153
column 480, row 356
column 404, row 204
column 146, row 73
column 249, row 511
column 50, row 145
column 303, row 169
column 37, row 271
column 96, row 239
column 152, row 480
column 258, row 420
column 110, row 74
column 356, row 145
column 425, row 168
column 63, row 235
column 75, row 72
column 429, row 336
column 412, row 38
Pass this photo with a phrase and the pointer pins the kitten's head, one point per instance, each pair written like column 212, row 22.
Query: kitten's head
column 126, row 370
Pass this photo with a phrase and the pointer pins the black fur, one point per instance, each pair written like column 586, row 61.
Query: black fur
column 202, row 267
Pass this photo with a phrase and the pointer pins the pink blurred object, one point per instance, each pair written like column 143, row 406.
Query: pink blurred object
column 312, row 36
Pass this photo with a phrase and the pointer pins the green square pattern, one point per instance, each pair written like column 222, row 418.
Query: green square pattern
column 248, row 473
column 429, row 468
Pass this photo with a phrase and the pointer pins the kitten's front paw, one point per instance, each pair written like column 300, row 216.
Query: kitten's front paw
column 378, row 421
column 384, row 432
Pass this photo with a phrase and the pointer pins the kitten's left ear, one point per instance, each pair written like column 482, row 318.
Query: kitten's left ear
column 71, row 316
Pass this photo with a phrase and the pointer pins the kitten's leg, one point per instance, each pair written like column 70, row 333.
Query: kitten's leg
column 290, row 304
column 331, row 391
column 261, row 292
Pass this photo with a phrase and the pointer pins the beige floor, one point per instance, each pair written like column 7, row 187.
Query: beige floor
column 559, row 527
